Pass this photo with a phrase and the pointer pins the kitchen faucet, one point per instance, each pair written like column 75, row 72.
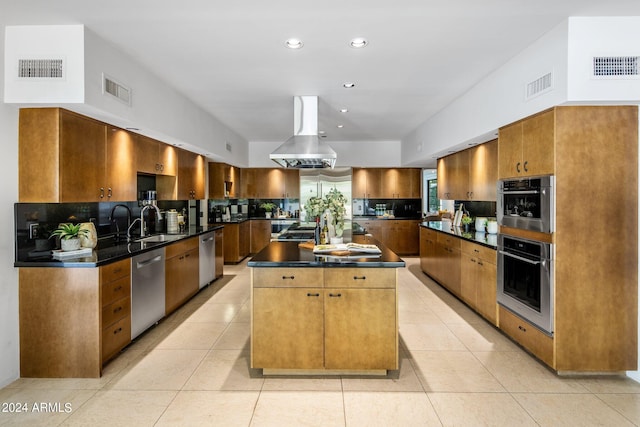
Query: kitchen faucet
column 111, row 219
column 141, row 219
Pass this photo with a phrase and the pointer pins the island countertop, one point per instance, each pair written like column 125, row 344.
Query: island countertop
column 288, row 254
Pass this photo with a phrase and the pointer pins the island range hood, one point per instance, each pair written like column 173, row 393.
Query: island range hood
column 305, row 150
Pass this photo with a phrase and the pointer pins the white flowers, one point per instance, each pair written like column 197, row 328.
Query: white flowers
column 334, row 201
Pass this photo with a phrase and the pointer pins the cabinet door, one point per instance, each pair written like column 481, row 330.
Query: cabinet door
column 244, row 238
column 190, row 175
column 510, row 151
column 374, row 183
column 287, row 328
column 390, row 234
column 483, row 172
column 272, row 186
column 292, row 183
column 168, row 159
column 121, row 166
column 486, row 290
column 360, row 329
column 260, row 235
column 219, row 253
column 388, row 181
column 173, row 278
column 147, row 155
column 82, row 159
column 359, row 183
column 453, row 176
column 408, row 242
column 408, row 183
column 468, row 279
column 216, row 180
column 231, row 248
column 538, row 140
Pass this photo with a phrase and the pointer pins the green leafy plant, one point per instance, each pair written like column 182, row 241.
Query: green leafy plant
column 69, row 231
column 466, row 220
column 268, row 206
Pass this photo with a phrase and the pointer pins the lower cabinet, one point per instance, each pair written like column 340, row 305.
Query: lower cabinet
column 527, row 335
column 341, row 319
column 115, row 281
column 402, row 236
column 237, row 237
column 181, row 273
column 260, row 235
column 219, row 236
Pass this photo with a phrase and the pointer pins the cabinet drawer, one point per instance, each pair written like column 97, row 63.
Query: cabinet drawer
column 115, row 337
column 450, row 241
column 116, row 290
column 287, row 277
column 111, row 272
column 360, row 278
column 181, row 247
column 482, row 252
column 116, row 311
column 527, row 335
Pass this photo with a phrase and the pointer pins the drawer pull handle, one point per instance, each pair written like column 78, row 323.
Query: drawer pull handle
column 359, row 277
column 117, row 310
column 117, row 331
column 119, row 288
column 523, row 329
column 335, row 295
column 117, row 270
column 288, row 277
column 313, row 295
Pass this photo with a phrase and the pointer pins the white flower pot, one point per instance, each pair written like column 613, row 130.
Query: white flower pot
column 70, row 244
column 267, row 214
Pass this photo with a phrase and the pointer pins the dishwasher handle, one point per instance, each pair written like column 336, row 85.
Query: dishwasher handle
column 207, row 240
column 145, row 263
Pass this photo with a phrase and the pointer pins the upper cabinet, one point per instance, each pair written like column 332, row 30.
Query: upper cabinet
column 190, row 175
column 121, row 165
column 384, row 183
column 65, row 157
column 155, row 157
column 270, row 183
column 224, row 181
column 527, row 147
column 469, row 174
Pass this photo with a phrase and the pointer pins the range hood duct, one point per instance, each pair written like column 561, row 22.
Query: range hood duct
column 305, row 150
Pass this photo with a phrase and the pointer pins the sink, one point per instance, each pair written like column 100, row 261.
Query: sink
column 160, row 238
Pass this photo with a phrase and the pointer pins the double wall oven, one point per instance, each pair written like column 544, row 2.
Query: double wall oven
column 525, row 264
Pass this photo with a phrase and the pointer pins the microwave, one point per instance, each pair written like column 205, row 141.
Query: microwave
column 527, row 203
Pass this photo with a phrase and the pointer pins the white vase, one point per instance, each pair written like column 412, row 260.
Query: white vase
column 70, row 244
column 267, row 214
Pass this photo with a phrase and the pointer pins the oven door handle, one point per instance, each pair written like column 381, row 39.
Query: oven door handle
column 507, row 192
column 519, row 258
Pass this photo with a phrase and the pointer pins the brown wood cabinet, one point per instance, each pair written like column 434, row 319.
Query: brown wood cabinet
column 478, row 279
column 270, row 183
column 527, row 335
column 527, row 147
column 366, row 183
column 219, row 236
column 155, row 157
column 311, row 319
column 401, row 236
column 428, row 242
column 66, row 157
column 181, row 273
column 386, row 183
column 260, row 235
column 190, row 175
column 237, row 237
column 115, row 281
column 470, row 174
column 224, row 181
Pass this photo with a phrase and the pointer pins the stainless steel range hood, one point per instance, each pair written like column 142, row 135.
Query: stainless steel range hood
column 304, row 149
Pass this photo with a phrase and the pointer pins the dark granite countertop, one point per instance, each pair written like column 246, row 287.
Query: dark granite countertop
column 107, row 251
column 481, row 238
column 288, row 254
column 382, row 218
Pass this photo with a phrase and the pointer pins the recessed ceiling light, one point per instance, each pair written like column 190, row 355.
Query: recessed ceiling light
column 340, row 126
column 348, row 85
column 344, row 110
column 359, row 42
column 321, row 132
column 294, row 43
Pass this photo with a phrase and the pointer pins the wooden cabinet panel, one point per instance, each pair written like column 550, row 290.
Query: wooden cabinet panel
column 483, row 171
column 181, row 273
column 359, row 183
column 236, row 241
column 224, row 181
column 121, row 166
column 190, row 175
column 260, row 235
column 428, row 242
column 270, row 183
column 115, row 337
column 527, row 147
column 115, row 311
column 486, row 302
column 367, row 183
column 360, row 277
column 287, row 328
column 219, row 235
column 155, row 157
column 453, row 176
column 539, row 344
column 359, row 330
column 288, row 277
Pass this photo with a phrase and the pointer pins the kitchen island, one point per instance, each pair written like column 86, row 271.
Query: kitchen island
column 323, row 314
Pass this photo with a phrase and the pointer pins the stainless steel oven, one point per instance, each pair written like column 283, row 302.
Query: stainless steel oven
column 527, row 203
column 525, row 279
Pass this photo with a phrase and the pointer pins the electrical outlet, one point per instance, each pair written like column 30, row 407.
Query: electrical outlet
column 33, row 230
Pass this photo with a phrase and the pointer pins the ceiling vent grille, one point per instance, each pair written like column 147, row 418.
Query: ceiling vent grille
column 539, row 86
column 41, row 68
column 616, row 66
column 117, row 90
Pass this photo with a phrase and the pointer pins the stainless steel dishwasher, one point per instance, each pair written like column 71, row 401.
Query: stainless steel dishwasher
column 147, row 290
column 207, row 272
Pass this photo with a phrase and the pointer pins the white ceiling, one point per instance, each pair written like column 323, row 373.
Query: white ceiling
column 229, row 57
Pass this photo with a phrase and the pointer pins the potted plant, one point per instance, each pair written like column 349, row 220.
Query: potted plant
column 268, row 207
column 69, row 235
column 466, row 221
column 335, row 202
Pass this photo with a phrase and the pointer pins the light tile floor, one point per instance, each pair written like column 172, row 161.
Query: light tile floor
column 193, row 369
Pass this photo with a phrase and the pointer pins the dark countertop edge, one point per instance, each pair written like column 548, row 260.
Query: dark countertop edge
column 375, row 218
column 74, row 263
column 431, row 225
column 330, row 264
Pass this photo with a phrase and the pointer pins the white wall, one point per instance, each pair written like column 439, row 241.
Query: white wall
column 371, row 153
column 495, row 101
column 9, row 336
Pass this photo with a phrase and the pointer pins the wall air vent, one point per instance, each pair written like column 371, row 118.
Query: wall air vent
column 616, row 66
column 41, row 68
column 228, row 147
column 118, row 90
column 539, row 86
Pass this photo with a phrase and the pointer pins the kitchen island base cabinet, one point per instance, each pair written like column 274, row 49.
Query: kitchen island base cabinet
column 324, row 320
